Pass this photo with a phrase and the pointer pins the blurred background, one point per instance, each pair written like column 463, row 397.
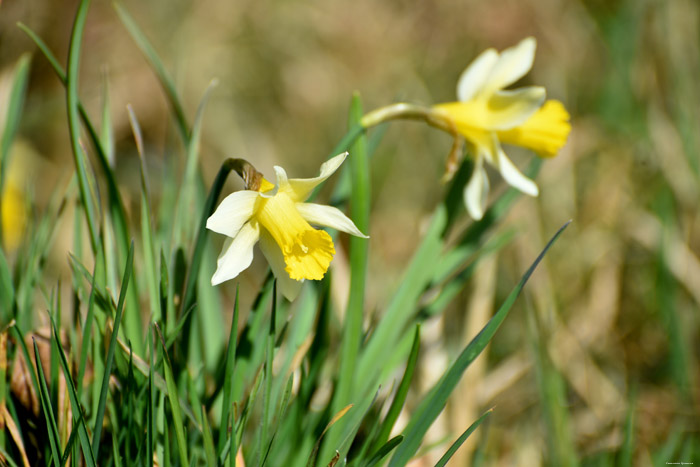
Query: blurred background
column 605, row 335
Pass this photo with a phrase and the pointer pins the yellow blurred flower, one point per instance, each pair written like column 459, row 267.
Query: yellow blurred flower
column 278, row 218
column 13, row 215
column 488, row 115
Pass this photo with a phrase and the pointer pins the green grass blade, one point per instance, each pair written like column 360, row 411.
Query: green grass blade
column 147, row 236
column 267, row 393
column 435, row 400
column 391, row 327
column 158, row 68
column 209, row 449
column 553, row 397
column 151, row 432
column 107, row 133
column 188, row 294
column 87, row 332
column 188, row 192
column 13, row 113
column 347, row 140
column 456, row 445
column 45, row 398
column 228, row 380
column 77, row 409
column 384, row 450
column 400, row 397
column 359, row 247
column 104, row 390
column 7, row 290
column 174, row 404
column 79, row 158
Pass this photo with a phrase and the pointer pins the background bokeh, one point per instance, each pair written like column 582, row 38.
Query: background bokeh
column 610, row 320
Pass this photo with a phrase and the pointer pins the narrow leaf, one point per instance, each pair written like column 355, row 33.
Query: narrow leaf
column 104, row 390
column 435, row 400
column 450, row 452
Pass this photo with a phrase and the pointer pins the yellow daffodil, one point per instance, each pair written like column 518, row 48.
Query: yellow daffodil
column 278, row 218
column 488, row 115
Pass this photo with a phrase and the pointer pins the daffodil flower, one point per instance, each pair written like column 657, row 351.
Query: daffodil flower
column 488, row 115
column 277, row 217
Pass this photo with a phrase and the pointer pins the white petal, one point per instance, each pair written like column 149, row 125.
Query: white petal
column 513, row 64
column 236, row 255
column 328, row 216
column 302, row 187
column 233, row 212
column 477, row 190
column 514, row 177
column 508, row 109
column 474, row 77
column 289, row 287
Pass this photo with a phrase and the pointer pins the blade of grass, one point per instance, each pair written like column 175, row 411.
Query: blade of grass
column 384, row 450
column 104, row 390
column 435, row 400
column 87, row 332
column 147, row 236
column 553, row 399
column 174, row 403
column 187, row 198
column 228, row 379
column 77, row 408
column 13, row 114
column 72, row 73
column 139, row 37
column 45, row 399
column 3, row 386
column 400, row 397
column 209, row 449
column 453, row 449
column 267, row 393
column 378, row 348
column 200, row 243
column 359, row 247
column 336, row 417
column 7, row 290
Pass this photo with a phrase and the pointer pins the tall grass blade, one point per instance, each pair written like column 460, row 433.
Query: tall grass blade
column 174, row 403
column 267, row 393
column 453, row 449
column 188, row 295
column 208, row 437
column 159, row 69
column 104, row 390
column 383, row 340
column 383, row 451
column 401, row 393
column 13, row 114
column 147, row 236
column 359, row 247
column 435, row 400
column 336, row 417
column 87, row 332
column 77, row 408
column 7, row 290
column 230, row 365
column 79, row 158
column 45, row 399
